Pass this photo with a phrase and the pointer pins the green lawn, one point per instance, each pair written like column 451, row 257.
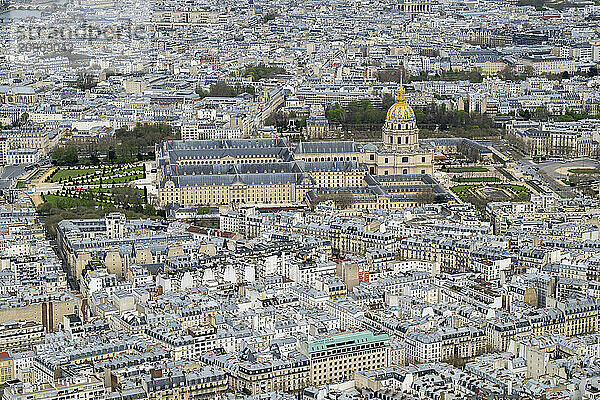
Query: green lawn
column 64, row 201
column 521, row 193
column 464, row 192
column 120, row 179
column 124, row 196
column 63, row 174
column 461, row 188
column 461, row 179
column 109, row 190
column 83, row 173
column 584, row 171
column 513, row 188
column 465, row 169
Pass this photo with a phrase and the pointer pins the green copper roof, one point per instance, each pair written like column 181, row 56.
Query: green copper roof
column 345, row 340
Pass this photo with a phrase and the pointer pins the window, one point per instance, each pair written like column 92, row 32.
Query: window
column 422, row 159
column 386, row 160
column 405, row 171
column 371, row 157
column 404, row 159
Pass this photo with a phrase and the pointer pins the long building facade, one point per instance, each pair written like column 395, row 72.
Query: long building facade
column 194, row 173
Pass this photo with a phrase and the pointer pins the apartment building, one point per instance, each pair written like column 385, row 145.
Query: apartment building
column 20, row 335
column 549, row 64
column 185, row 344
column 28, row 136
column 195, row 383
column 551, row 141
column 209, row 131
column 263, row 372
column 6, row 367
column 47, row 309
column 82, row 387
column 337, row 358
column 84, row 241
column 445, row 344
column 571, row 317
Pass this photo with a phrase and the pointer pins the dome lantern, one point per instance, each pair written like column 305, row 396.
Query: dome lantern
column 400, row 111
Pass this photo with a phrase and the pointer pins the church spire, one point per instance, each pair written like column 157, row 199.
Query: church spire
column 400, row 96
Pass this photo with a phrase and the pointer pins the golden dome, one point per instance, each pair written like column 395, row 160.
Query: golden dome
column 400, row 111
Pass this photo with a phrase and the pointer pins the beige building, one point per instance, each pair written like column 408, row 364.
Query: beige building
column 17, row 94
column 134, row 86
column 413, row 7
column 337, row 358
column 47, row 312
column 29, row 136
column 490, row 67
column 571, row 318
column 267, row 371
column 196, row 173
column 549, row 64
column 445, row 344
column 82, row 388
column 398, row 154
column 199, row 383
column 554, row 142
column 6, row 367
column 262, row 376
column 317, row 126
column 20, row 335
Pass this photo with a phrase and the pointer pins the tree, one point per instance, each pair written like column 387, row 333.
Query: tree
column 65, row 156
column 222, row 90
column 149, row 210
column 342, row 200
column 541, row 114
column 525, row 114
column 528, row 70
column 425, row 197
column 201, row 92
column 71, row 156
column 250, row 90
column 302, row 122
column 270, row 16
column 262, row 71
column 203, row 210
column 112, row 155
column 336, row 113
column 388, row 75
column 508, row 74
column 138, row 142
column 85, row 81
